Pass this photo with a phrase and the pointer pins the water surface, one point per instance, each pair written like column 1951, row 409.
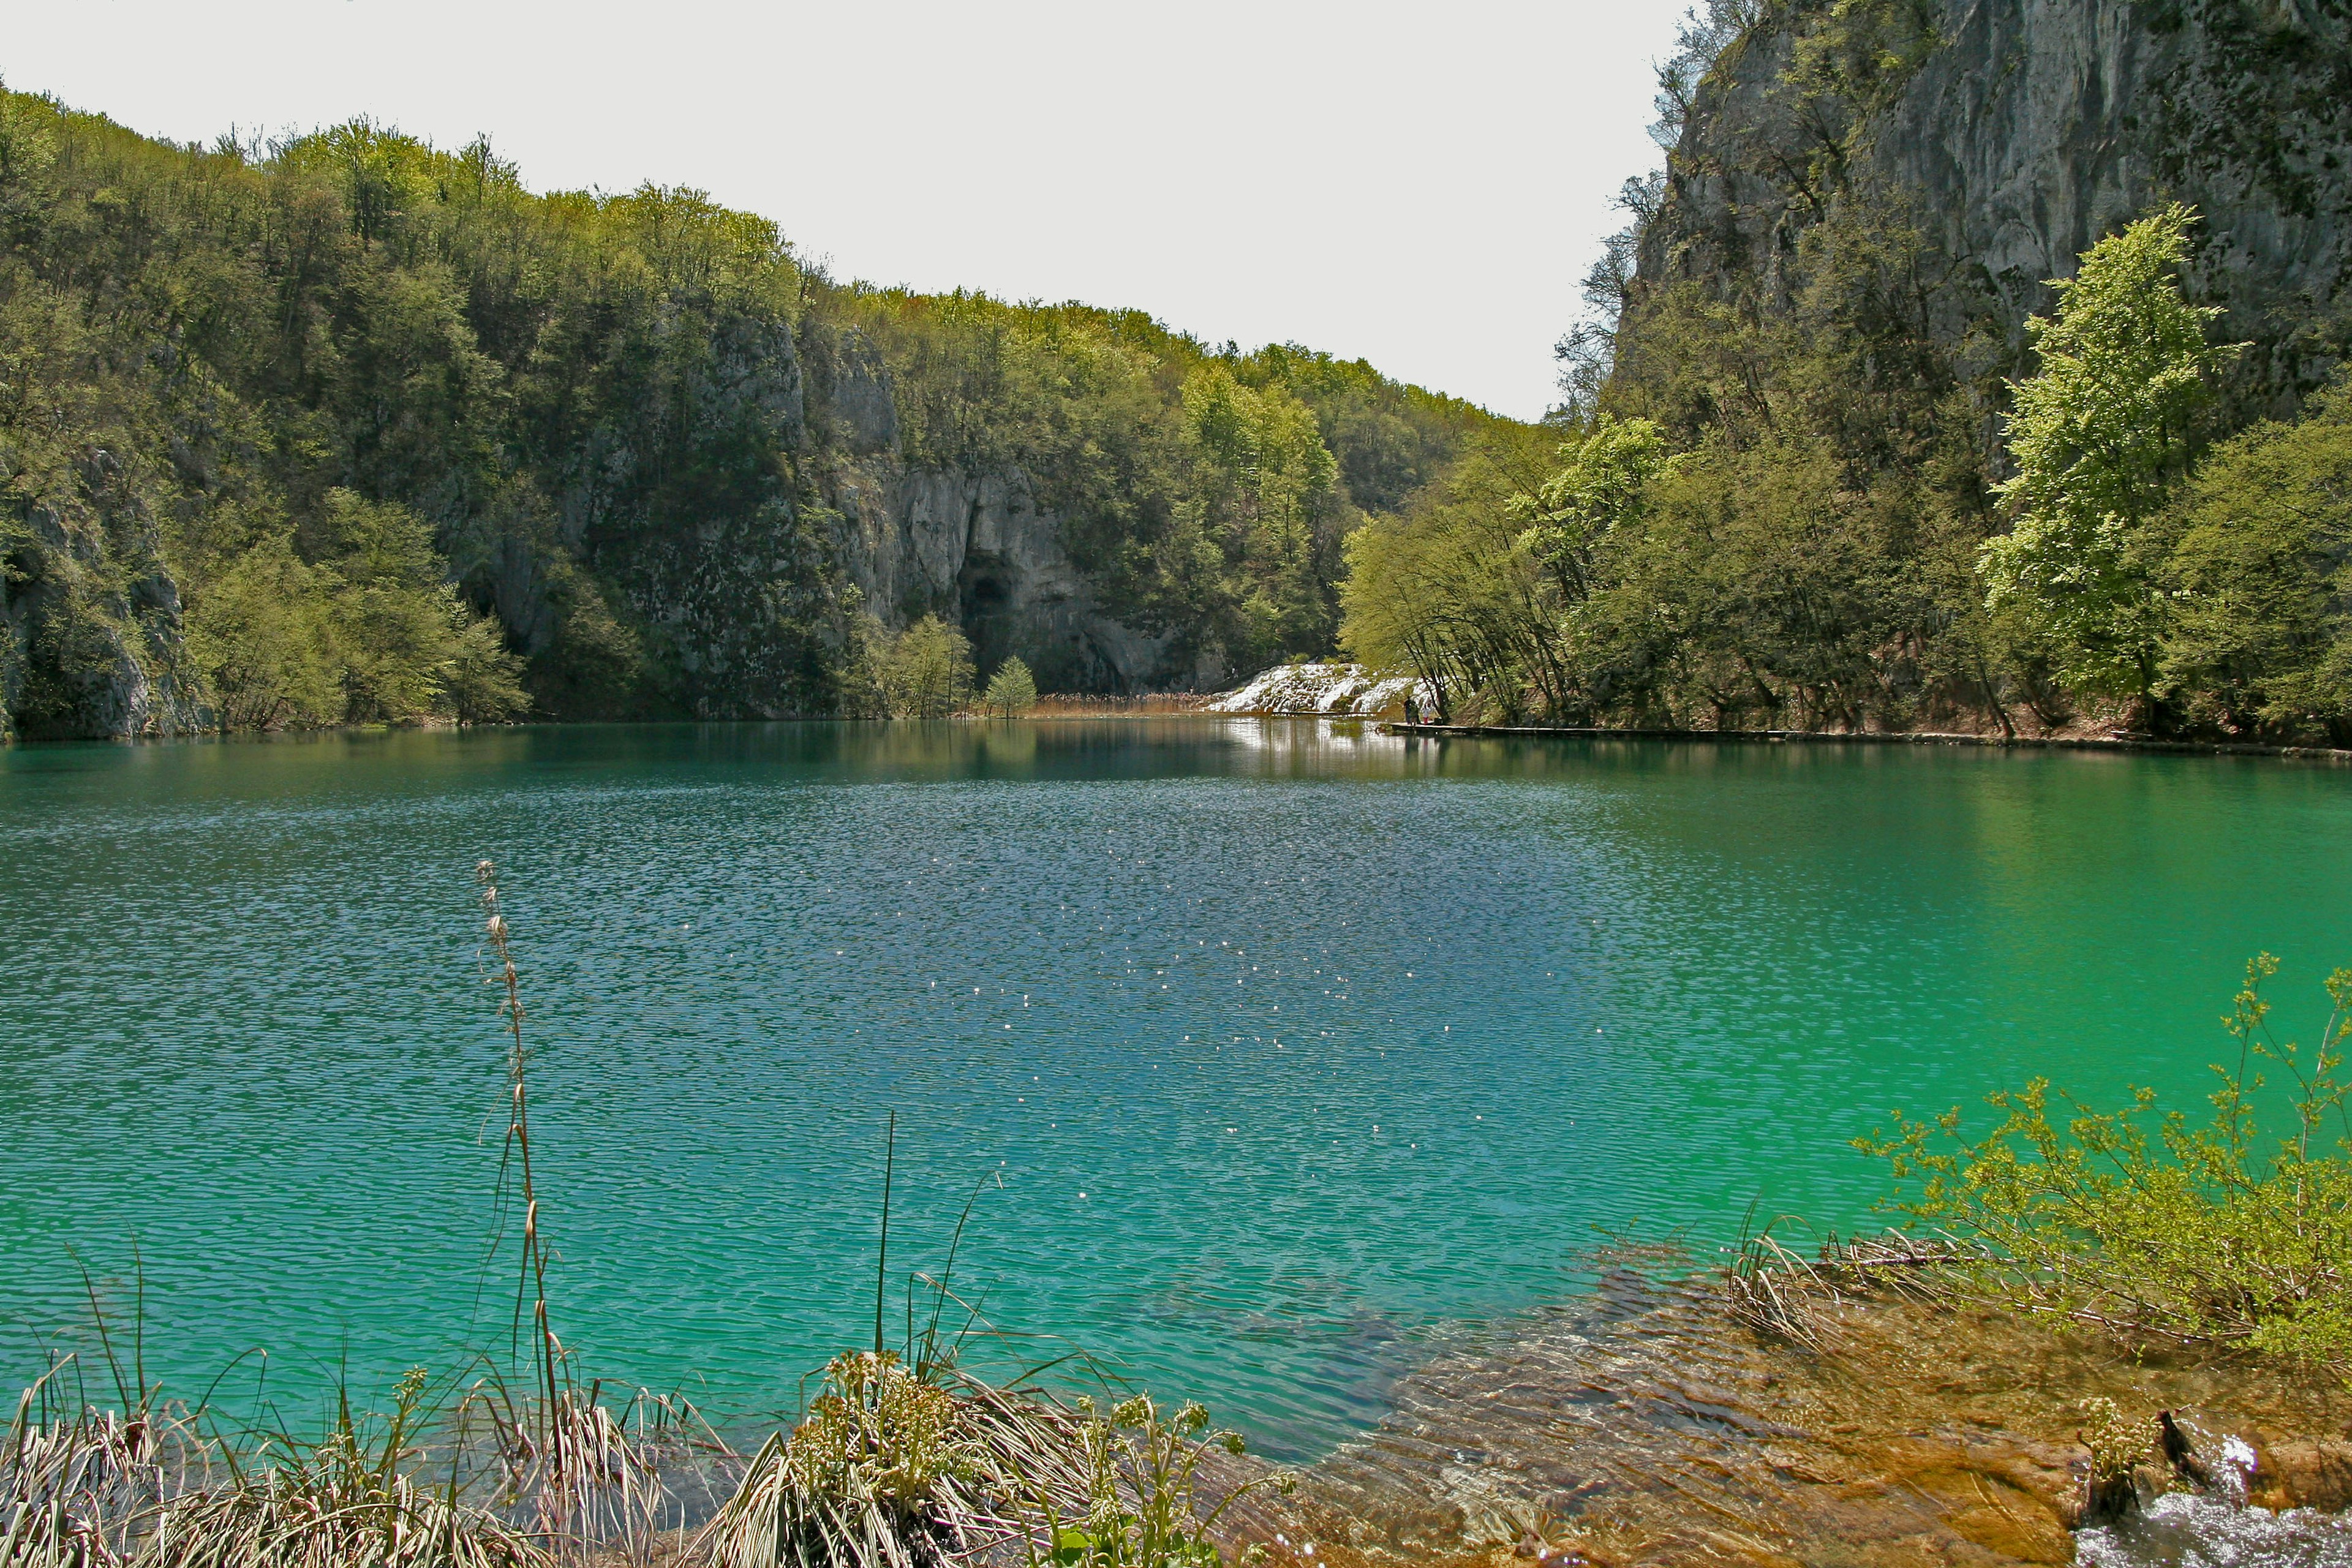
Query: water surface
column 1278, row 1047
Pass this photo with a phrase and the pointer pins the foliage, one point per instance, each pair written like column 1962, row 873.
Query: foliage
column 1829, row 380
column 2206, row 1232
column 2257, row 585
column 1261, row 529
column 353, row 624
column 1603, row 485
column 1144, row 1510
column 1450, row 588
column 1770, row 518
column 1011, row 691
column 2099, row 433
column 1784, row 513
column 641, row 436
column 925, row 671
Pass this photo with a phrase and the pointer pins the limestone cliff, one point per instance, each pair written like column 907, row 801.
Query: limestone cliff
column 746, row 602
column 2013, row 133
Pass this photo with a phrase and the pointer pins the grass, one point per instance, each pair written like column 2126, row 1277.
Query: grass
column 897, row 1463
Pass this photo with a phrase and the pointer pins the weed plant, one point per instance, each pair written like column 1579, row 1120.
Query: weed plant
column 1144, row 1508
column 2208, row 1231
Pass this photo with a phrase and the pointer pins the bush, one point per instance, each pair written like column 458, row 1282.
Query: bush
column 2151, row 1223
column 1012, row 689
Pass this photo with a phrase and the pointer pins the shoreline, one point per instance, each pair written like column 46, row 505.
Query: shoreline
column 1882, row 738
column 1146, row 708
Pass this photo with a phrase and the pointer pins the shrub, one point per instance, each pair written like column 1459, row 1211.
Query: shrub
column 2204, row 1232
column 1012, row 689
column 1143, row 1511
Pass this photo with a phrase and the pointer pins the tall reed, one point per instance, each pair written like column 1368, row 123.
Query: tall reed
column 547, row 1352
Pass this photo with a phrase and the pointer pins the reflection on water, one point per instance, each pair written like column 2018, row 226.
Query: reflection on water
column 1284, row 1048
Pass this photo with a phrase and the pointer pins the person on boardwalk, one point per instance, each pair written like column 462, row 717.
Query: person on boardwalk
column 1413, row 708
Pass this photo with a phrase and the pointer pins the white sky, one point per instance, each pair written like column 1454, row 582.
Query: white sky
column 1422, row 185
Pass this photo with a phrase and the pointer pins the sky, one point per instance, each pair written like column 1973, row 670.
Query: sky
column 1420, row 185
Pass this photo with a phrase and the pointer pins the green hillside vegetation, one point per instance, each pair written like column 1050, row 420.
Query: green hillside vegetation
column 352, row 429
column 1767, row 564
column 1829, row 489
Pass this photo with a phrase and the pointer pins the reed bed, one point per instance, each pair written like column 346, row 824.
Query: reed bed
column 1083, row 705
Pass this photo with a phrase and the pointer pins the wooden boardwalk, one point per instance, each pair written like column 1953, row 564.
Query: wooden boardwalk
column 1867, row 738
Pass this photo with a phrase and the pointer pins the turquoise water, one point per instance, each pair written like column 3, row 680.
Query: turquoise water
column 1277, row 1048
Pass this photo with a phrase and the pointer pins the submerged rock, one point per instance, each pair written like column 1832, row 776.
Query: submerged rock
column 1645, row 1424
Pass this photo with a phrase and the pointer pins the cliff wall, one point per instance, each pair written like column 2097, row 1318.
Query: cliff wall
column 2013, row 133
column 746, row 605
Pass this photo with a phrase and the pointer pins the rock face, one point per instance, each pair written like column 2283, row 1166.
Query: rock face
column 977, row 549
column 2014, row 134
column 90, row 635
column 745, row 601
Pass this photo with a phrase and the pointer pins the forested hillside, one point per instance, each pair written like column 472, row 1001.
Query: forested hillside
column 353, row 429
column 1842, row 457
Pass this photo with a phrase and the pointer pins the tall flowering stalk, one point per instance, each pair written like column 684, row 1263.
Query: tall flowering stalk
column 548, row 1355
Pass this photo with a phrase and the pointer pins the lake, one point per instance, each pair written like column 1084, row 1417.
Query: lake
column 1275, row 1051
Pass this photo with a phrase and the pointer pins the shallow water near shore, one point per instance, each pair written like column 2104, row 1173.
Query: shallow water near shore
column 1282, row 1050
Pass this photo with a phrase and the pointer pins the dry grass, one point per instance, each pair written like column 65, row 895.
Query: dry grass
column 1782, row 1293
column 1081, row 705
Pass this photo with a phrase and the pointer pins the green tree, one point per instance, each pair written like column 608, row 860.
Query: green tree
column 2099, row 435
column 1603, row 485
column 259, row 636
column 1012, row 689
column 348, row 620
column 1449, row 590
column 925, row 672
column 2259, row 582
column 1260, row 531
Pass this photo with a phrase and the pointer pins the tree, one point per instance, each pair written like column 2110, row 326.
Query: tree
column 2099, row 435
column 1012, row 689
column 1260, row 531
column 1447, row 591
column 2259, row 580
column 1603, row 485
column 925, row 671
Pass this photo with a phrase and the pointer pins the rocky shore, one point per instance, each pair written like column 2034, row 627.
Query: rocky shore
column 1647, row 1424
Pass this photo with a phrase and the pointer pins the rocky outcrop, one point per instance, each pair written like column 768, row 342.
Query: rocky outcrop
column 2014, row 134
column 88, row 647
column 1326, row 690
column 748, row 604
column 976, row 549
